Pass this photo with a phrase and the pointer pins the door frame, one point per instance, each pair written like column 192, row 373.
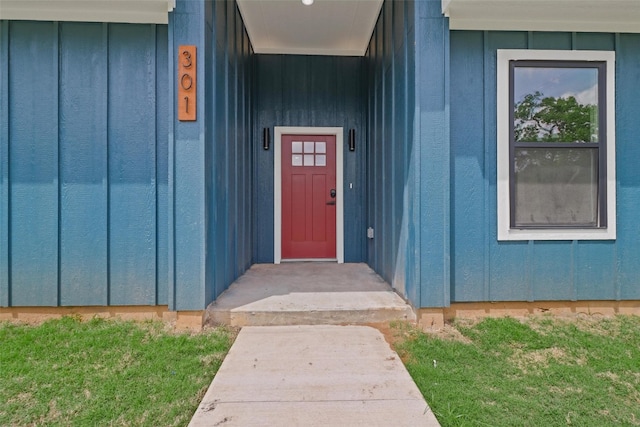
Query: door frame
column 338, row 132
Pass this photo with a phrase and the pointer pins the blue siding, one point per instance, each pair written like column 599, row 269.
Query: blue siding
column 33, row 162
column 408, row 163
column 231, row 144
column 468, row 228
column 509, row 269
column 549, row 40
column 399, row 131
column 162, row 165
column 229, row 153
column 484, row 269
column 132, row 178
column 269, row 100
column 219, row 150
column 79, row 144
column 389, row 147
column 595, row 266
column 628, row 153
column 83, row 166
column 107, row 199
column 432, row 42
column 309, row 91
column 4, row 164
column 187, row 161
column 211, row 159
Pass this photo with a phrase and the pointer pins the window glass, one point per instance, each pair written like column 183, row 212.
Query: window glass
column 555, row 104
column 556, row 145
column 556, row 187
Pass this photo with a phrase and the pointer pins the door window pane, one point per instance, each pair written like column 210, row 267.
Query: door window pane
column 296, row 160
column 321, row 147
column 321, row 160
column 308, row 159
column 296, row 147
column 308, row 147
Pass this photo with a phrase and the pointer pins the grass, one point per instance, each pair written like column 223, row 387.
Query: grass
column 68, row 372
column 538, row 372
column 498, row 372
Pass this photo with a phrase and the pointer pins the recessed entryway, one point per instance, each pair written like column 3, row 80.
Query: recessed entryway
column 308, row 194
column 308, row 293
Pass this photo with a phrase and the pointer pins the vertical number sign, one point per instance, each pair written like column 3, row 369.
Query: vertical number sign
column 187, row 83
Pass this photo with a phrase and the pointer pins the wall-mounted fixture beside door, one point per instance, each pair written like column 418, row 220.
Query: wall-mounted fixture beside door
column 266, row 138
column 352, row 140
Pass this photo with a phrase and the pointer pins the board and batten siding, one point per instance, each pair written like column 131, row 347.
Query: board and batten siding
column 210, row 159
column 484, row 269
column 229, row 149
column 310, row 91
column 390, row 70
column 408, row 151
column 83, row 164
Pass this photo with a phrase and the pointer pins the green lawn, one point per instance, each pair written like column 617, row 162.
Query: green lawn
column 68, row 372
column 498, row 372
column 538, row 372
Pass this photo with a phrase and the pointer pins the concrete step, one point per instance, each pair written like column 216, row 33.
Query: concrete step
column 308, row 294
column 316, row 308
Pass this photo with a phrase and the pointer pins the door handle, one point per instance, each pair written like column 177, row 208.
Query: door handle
column 332, row 193
column 331, row 202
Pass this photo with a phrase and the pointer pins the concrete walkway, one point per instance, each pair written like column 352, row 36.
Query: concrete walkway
column 321, row 375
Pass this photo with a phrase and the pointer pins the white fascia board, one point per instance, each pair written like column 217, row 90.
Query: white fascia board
column 544, row 15
column 125, row 11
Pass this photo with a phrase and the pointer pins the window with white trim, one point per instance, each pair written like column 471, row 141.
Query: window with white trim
column 556, row 145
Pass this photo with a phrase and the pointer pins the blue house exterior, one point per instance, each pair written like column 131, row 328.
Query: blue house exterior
column 108, row 200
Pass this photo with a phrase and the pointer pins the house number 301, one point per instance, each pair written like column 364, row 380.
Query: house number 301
column 187, row 83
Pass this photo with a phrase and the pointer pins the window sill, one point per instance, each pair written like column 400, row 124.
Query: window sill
column 566, row 234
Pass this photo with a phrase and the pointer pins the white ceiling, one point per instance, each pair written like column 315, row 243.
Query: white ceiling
column 327, row 27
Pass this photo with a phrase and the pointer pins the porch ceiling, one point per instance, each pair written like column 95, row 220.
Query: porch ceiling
column 327, row 27
column 622, row 16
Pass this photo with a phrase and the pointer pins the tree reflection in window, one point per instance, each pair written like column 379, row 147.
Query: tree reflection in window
column 557, row 145
column 539, row 118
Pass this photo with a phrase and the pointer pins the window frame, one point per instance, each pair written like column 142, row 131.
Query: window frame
column 606, row 227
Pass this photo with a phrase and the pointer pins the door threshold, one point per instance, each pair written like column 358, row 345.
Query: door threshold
column 309, row 260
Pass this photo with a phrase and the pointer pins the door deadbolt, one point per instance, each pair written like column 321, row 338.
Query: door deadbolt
column 332, row 193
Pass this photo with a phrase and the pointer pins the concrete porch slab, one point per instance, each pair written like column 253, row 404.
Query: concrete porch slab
column 306, row 293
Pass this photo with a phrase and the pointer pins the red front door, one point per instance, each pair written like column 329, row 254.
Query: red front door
column 308, row 196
